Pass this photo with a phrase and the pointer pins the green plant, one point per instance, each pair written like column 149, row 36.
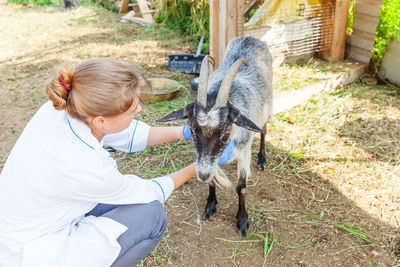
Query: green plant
column 107, row 4
column 186, row 17
column 355, row 232
column 388, row 29
column 350, row 17
column 252, row 12
column 35, row 2
column 268, row 240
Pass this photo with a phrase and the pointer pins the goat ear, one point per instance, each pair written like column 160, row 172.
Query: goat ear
column 242, row 121
column 246, row 123
column 179, row 114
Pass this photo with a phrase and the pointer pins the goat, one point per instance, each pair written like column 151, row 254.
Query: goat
column 238, row 93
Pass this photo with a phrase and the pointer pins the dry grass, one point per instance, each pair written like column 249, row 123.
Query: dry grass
column 329, row 197
column 352, row 139
column 303, row 72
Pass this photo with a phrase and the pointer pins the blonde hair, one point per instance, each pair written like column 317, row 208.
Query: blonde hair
column 99, row 87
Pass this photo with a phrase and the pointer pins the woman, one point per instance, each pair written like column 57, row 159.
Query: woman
column 63, row 201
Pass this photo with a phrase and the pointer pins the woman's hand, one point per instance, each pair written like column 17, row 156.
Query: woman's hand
column 187, row 134
column 227, row 153
column 182, row 176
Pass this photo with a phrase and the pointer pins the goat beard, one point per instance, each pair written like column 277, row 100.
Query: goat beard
column 221, row 180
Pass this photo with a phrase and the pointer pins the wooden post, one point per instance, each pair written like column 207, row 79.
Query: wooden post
column 335, row 44
column 222, row 30
column 240, row 17
column 226, row 23
column 124, row 6
column 144, row 9
column 214, row 29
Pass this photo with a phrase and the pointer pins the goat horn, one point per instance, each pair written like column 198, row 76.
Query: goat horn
column 211, row 60
column 203, row 80
column 226, row 85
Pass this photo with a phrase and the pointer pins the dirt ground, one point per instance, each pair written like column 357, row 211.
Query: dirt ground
column 330, row 192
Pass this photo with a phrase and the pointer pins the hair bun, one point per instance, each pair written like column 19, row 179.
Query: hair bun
column 56, row 90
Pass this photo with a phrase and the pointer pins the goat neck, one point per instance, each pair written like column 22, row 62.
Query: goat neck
column 203, row 80
column 223, row 94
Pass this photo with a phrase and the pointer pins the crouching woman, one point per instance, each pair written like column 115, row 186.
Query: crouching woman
column 63, row 201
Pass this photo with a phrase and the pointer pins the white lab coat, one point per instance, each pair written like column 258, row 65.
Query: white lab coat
column 56, row 173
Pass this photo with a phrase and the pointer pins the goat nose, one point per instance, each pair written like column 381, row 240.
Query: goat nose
column 203, row 176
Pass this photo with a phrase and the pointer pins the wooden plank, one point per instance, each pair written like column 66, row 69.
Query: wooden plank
column 336, row 51
column 214, row 14
column 222, row 29
column 339, row 30
column 363, row 34
column 138, row 20
column 124, row 6
column 240, row 17
column 372, row 2
column 231, row 22
column 359, row 54
column 225, row 24
column 366, row 18
column 144, row 9
column 369, row 9
column 360, row 41
column 364, row 24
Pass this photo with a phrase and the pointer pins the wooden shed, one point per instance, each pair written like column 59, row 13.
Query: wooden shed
column 227, row 20
column 329, row 42
column 366, row 18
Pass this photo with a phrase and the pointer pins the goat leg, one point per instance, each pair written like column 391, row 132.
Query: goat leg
column 211, row 204
column 261, row 155
column 242, row 217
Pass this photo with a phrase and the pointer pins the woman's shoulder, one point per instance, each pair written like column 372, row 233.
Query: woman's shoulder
column 44, row 117
column 47, row 111
column 45, row 131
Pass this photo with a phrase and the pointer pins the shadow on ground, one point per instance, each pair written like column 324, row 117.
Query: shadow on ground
column 296, row 219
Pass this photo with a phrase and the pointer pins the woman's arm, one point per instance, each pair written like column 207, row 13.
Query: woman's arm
column 160, row 135
column 182, row 176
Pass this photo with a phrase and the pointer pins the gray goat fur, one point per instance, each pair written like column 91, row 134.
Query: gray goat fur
column 246, row 76
column 251, row 92
column 252, row 84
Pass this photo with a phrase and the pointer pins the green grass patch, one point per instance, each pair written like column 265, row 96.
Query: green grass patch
column 190, row 18
column 268, row 240
column 299, row 245
column 355, row 232
column 36, row 2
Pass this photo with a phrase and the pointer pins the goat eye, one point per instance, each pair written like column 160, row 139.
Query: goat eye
column 224, row 137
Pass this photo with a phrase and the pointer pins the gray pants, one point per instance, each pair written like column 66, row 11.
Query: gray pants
column 146, row 225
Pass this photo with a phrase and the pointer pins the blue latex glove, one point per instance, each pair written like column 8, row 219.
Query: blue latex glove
column 227, row 153
column 186, row 132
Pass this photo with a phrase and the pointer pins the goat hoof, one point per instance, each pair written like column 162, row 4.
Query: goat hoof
column 244, row 231
column 207, row 217
column 261, row 161
column 243, row 227
column 261, row 166
column 208, row 214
